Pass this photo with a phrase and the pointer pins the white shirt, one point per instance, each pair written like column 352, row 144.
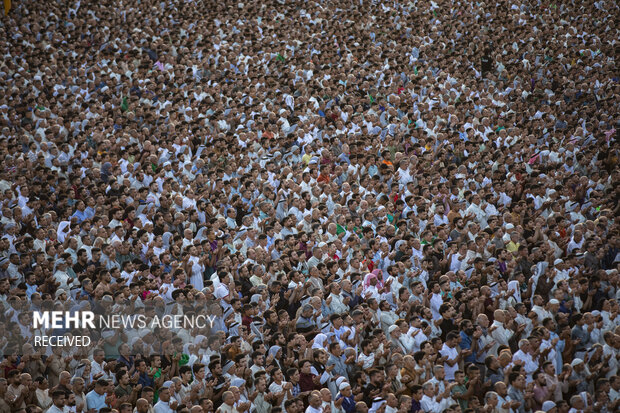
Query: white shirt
column 97, row 368
column 408, row 342
column 500, row 334
column 440, row 219
column 337, row 305
column 162, row 407
column 222, row 291
column 479, row 213
column 613, row 361
column 541, row 313
column 452, row 354
column 54, row 409
column 500, row 403
column 63, row 279
column 528, row 363
column 367, row 360
column 167, row 295
column 436, row 302
column 431, row 405
column 574, row 245
column 311, row 409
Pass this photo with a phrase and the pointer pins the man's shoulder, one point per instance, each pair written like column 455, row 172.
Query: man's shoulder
column 92, row 394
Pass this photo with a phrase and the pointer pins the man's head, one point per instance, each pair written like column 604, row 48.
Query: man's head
column 70, row 399
column 501, row 388
column 417, row 392
column 64, row 378
column 58, row 398
column 228, row 398
column 13, row 377
column 315, row 399
column 361, row 407
column 164, row 394
column 3, row 386
column 100, row 386
column 577, row 403
column 78, row 385
column 578, row 365
column 142, row 406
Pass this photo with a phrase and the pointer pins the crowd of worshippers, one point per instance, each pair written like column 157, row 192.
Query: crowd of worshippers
column 387, row 206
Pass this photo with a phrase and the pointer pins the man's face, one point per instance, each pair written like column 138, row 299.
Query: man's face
column 142, row 367
column 164, row 395
column 186, row 376
column 501, row 389
column 519, row 383
column 440, row 374
column 59, row 401
column 71, row 400
column 78, row 386
column 429, row 391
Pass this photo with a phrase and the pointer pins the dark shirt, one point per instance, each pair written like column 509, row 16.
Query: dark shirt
column 126, row 362
column 219, row 382
column 79, row 268
column 544, row 285
column 145, row 380
column 246, row 286
column 354, row 299
column 455, row 235
column 121, row 391
column 446, row 326
column 525, row 266
column 306, row 383
column 487, row 64
column 495, row 375
column 610, row 256
column 270, row 329
column 591, row 261
column 368, row 398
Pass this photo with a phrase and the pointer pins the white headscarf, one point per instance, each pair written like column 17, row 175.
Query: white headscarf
column 514, row 285
column 319, row 341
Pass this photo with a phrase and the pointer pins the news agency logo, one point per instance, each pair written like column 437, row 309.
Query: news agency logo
column 61, row 322
column 64, row 319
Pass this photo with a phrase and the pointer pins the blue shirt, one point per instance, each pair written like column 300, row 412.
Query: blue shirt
column 95, row 400
column 31, row 289
column 90, row 212
column 80, row 215
column 465, row 344
column 145, row 380
column 348, row 403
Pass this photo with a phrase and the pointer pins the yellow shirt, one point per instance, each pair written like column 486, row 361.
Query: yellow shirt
column 512, row 247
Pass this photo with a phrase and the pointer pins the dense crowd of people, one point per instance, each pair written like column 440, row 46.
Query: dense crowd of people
column 387, row 206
